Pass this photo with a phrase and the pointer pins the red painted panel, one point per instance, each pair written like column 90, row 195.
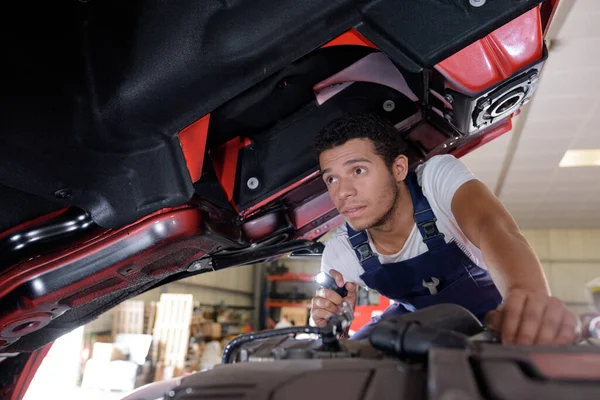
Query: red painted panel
column 166, row 233
column 497, row 56
column 483, row 139
column 193, row 142
column 251, row 210
column 28, row 372
column 350, row 37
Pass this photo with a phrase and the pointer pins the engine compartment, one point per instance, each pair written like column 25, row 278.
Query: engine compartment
column 397, row 367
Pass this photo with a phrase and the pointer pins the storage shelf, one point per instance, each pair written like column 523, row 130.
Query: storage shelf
column 291, row 278
column 279, row 304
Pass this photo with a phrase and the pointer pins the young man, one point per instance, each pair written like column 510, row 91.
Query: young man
column 435, row 235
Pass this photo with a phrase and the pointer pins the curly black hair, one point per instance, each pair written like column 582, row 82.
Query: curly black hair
column 388, row 143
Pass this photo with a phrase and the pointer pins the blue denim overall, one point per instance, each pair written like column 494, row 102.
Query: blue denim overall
column 443, row 274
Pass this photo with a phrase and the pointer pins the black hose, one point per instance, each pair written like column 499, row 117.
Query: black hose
column 412, row 340
column 249, row 337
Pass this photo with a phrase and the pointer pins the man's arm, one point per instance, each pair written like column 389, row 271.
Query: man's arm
column 489, row 226
column 529, row 314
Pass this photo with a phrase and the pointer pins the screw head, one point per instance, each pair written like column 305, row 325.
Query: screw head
column 253, row 183
column 389, row 105
column 449, row 98
column 477, row 3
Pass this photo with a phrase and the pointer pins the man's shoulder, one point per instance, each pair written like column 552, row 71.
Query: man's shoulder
column 440, row 161
column 440, row 169
column 337, row 240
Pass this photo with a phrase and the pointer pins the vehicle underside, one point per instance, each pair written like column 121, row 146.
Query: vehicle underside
column 145, row 142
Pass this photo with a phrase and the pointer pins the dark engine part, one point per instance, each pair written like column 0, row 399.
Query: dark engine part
column 488, row 372
column 300, row 369
column 410, row 336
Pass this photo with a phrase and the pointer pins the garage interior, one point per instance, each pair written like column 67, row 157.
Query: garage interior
column 530, row 169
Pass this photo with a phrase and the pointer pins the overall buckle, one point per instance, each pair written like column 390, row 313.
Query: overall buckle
column 429, row 230
column 364, row 250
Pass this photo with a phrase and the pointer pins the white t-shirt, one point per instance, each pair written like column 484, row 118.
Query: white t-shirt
column 439, row 179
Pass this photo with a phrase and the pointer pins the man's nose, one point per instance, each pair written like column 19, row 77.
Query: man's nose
column 346, row 189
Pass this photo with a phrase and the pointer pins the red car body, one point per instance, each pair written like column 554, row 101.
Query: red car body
column 230, row 195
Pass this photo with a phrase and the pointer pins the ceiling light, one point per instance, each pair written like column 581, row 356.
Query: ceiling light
column 581, row 158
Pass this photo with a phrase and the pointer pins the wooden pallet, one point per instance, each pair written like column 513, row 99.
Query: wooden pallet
column 128, row 318
column 150, row 317
column 171, row 334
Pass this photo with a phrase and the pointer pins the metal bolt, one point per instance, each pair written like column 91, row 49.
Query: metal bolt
column 189, row 390
column 533, row 78
column 203, row 263
column 63, row 193
column 449, row 98
column 195, row 266
column 448, row 117
column 389, row 105
column 477, row 3
column 484, row 105
column 172, row 393
column 252, row 183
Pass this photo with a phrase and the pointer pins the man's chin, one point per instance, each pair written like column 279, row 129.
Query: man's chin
column 358, row 225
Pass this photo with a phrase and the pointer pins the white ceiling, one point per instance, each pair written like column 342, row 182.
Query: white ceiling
column 522, row 166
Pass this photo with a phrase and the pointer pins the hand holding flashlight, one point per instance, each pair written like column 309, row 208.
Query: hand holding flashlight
column 330, row 296
column 327, row 281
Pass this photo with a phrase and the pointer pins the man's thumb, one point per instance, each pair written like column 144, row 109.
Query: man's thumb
column 339, row 278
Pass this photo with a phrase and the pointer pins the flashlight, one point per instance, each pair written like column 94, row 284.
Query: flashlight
column 328, row 282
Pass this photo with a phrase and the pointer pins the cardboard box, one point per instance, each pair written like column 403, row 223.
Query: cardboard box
column 297, row 315
column 105, row 352
column 212, row 329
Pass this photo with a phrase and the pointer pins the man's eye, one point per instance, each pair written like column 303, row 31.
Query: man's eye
column 330, row 179
column 359, row 171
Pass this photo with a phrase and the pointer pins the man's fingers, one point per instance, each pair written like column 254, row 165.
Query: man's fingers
column 324, row 304
column 512, row 311
column 532, row 318
column 339, row 278
column 493, row 320
column 552, row 320
column 320, row 316
column 351, row 287
column 330, row 295
column 568, row 330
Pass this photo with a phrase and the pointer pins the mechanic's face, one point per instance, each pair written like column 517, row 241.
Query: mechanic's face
column 363, row 188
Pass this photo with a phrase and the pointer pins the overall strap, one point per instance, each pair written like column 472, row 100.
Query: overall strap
column 424, row 216
column 360, row 244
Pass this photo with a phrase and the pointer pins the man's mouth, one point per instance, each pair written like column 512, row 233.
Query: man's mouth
column 353, row 211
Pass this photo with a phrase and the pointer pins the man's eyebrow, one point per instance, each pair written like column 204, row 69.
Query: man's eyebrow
column 349, row 162
column 356, row 161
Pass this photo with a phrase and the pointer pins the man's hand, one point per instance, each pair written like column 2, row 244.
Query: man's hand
column 528, row 318
column 326, row 302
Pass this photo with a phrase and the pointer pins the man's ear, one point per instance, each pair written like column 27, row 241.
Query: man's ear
column 400, row 168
